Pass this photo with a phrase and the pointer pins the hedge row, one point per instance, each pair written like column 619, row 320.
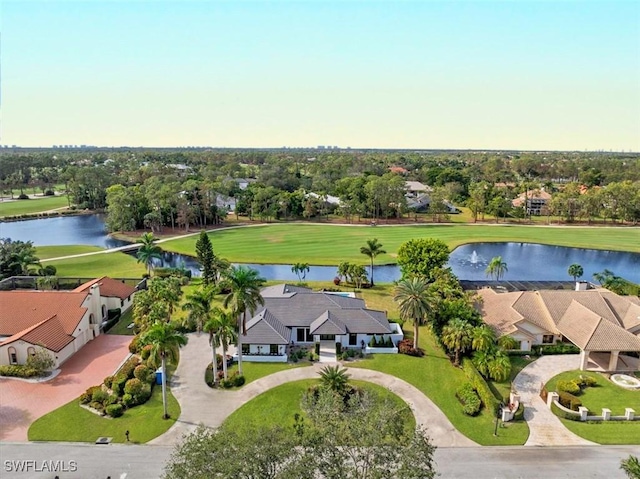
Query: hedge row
column 469, row 399
column 558, row 348
column 569, row 400
column 481, row 386
column 18, row 371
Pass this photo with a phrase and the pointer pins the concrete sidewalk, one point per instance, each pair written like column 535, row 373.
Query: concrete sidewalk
column 210, row 407
column 545, row 429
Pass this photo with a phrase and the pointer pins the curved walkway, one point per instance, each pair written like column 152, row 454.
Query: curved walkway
column 203, row 405
column 545, row 429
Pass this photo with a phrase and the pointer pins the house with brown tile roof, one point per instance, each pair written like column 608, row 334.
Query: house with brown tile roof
column 533, row 201
column 62, row 322
column 601, row 323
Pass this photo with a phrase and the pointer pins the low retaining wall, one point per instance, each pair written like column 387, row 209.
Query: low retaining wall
column 582, row 414
column 251, row 358
column 369, row 350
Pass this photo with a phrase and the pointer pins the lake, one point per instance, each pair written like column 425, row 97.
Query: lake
column 525, row 261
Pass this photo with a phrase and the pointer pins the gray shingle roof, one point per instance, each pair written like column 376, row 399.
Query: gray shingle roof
column 264, row 328
column 328, row 323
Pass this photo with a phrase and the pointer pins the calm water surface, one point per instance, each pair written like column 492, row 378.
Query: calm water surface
column 525, row 261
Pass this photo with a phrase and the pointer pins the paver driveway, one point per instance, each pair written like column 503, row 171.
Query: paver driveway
column 22, row 402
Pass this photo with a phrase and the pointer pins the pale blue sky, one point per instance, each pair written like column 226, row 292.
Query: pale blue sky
column 402, row 74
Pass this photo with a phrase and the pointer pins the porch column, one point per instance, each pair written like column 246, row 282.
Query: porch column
column 584, row 359
column 613, row 360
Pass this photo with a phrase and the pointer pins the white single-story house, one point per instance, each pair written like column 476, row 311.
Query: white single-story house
column 601, row 323
column 62, row 322
column 297, row 316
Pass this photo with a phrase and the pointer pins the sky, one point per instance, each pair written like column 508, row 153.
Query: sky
column 541, row 75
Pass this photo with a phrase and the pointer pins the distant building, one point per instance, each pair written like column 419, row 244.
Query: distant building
column 536, row 201
column 415, row 189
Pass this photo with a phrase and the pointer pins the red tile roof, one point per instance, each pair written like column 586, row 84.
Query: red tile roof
column 109, row 288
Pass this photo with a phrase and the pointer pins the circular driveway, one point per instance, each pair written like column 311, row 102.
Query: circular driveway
column 22, row 402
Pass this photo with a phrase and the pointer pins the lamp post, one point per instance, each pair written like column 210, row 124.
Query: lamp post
column 498, row 414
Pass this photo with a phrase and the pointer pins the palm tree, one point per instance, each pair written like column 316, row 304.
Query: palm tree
column 456, row 336
column 334, row 378
column 199, row 307
column 245, row 296
column 301, row 270
column 481, row 360
column 372, row 249
column 483, row 338
column 506, row 342
column 576, row 271
column 148, row 251
column 221, row 327
column 24, row 259
column 497, row 268
column 415, row 302
column 499, row 366
column 631, row 467
column 165, row 342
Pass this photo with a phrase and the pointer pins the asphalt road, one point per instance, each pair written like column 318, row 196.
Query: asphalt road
column 83, row 461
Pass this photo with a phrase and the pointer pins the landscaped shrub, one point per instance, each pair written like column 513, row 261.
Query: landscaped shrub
column 97, row 406
column 570, row 387
column 129, row 367
column 145, row 352
column 144, row 374
column 114, row 410
column 481, row 386
column 108, row 381
column 22, row 196
column 111, row 399
column 587, row 381
column 389, row 342
column 569, row 400
column 469, row 398
column 133, row 387
column 99, row 396
column 406, row 347
column 144, row 395
column 18, row 371
column 373, row 343
column 128, row 400
column 558, row 348
column 85, row 398
column 226, row 383
column 117, row 385
column 134, row 345
column 238, row 380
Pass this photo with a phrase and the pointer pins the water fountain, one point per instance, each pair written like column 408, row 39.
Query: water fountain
column 474, row 258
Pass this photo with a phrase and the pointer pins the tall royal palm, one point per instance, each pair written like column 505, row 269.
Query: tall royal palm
column 148, row 250
column 497, row 268
column 371, row 250
column 165, row 342
column 415, row 302
column 221, row 327
column 244, row 297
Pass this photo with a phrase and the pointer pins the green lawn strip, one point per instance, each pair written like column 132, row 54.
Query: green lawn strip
column 278, row 406
column 328, row 245
column 434, row 375
column 604, row 395
column 254, row 371
column 121, row 326
column 115, row 265
column 46, row 252
column 33, row 205
column 609, row 432
column 73, row 423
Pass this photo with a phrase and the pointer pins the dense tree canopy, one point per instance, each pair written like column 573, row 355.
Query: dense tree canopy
column 422, row 257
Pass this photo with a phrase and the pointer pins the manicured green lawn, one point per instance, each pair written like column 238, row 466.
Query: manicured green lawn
column 121, row 326
column 46, row 252
column 75, row 424
column 34, row 205
column 115, row 265
column 328, row 245
column 253, row 371
column 435, row 376
column 278, row 406
column 605, row 394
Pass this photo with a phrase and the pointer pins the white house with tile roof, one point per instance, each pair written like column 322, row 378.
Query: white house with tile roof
column 62, row 322
column 601, row 323
column 297, row 316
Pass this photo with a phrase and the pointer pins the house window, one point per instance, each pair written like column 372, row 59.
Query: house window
column 245, row 349
column 13, row 357
column 104, row 312
column 273, row 349
column 92, row 319
column 353, row 339
column 121, row 303
column 308, row 335
column 31, row 351
column 300, row 335
column 547, row 339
